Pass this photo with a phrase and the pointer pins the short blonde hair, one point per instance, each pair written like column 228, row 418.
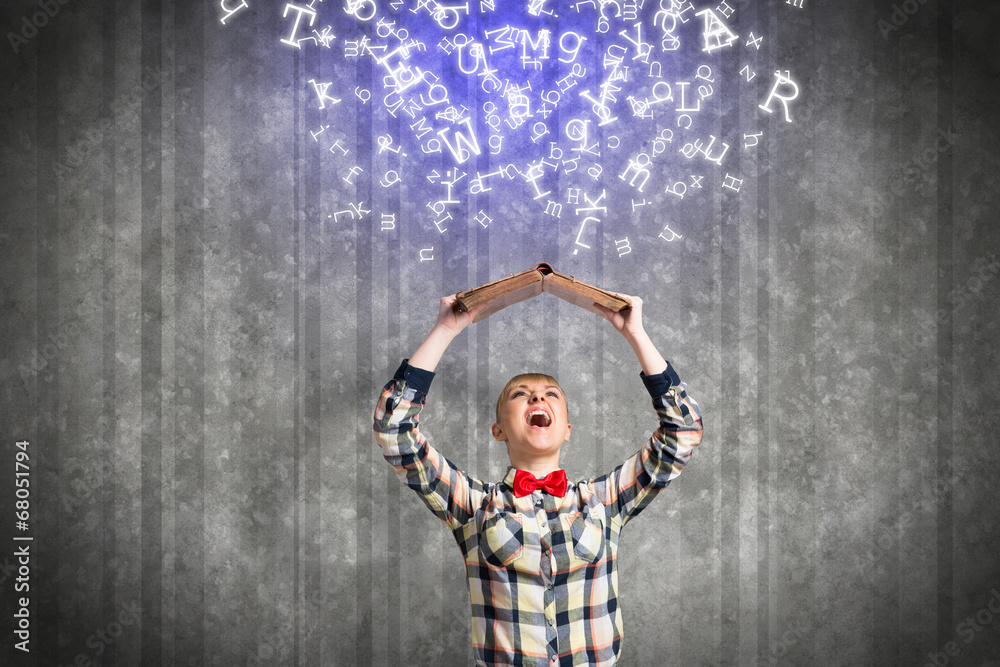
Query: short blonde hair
column 522, row 379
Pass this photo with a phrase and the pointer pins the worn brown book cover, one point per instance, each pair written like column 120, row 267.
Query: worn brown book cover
column 526, row 284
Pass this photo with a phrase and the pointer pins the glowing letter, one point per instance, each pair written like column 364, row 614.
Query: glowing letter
column 535, row 172
column 593, row 204
column 354, row 170
column 580, row 39
column 579, row 233
column 660, row 142
column 438, row 223
column 316, row 134
column 716, row 34
column 640, row 170
column 448, row 16
column 354, row 9
column 680, row 188
column 496, row 144
column 420, row 128
column 483, row 219
column 780, row 80
column 708, row 149
column 725, row 9
column 673, row 235
column 321, row 89
column 683, row 107
column 385, row 144
column 229, row 12
column 538, row 132
column 385, row 181
column 465, row 145
column 359, row 209
column 295, row 27
column 623, row 247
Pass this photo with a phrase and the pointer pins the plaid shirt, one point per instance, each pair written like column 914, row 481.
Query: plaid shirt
column 542, row 571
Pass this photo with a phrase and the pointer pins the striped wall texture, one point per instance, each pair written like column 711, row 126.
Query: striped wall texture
column 194, row 352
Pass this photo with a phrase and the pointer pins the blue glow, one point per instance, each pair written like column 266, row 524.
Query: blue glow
column 615, row 104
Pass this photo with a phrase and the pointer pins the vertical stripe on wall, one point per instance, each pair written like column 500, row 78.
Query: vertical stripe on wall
column 394, row 493
column 108, row 345
column 365, row 378
column 297, row 215
column 189, row 642
column 307, row 552
column 945, row 331
column 486, row 448
column 885, row 313
column 48, row 458
column 763, row 376
column 151, row 340
column 168, row 335
column 127, row 446
column 731, row 431
column 455, row 380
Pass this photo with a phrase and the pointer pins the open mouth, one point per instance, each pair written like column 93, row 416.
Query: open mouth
column 539, row 419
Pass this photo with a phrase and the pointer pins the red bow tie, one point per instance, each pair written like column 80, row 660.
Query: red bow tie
column 554, row 483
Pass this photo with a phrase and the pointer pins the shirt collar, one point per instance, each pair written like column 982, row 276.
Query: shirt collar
column 508, row 479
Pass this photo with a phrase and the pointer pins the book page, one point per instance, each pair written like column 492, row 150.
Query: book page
column 583, row 301
column 512, row 297
column 581, row 294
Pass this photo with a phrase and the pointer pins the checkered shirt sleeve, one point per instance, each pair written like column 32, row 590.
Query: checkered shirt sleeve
column 450, row 494
column 629, row 488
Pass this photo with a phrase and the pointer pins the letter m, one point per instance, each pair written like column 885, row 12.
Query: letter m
column 462, row 146
column 420, row 128
column 541, row 41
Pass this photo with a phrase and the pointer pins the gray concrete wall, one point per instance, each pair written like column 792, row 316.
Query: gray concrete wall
column 193, row 346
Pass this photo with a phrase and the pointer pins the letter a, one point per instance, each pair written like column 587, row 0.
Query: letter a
column 717, row 35
column 16, row 41
column 885, row 28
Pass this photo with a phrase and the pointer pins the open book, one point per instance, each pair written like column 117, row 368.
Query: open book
column 526, row 284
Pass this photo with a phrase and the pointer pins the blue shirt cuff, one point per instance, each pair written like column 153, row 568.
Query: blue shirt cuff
column 415, row 377
column 659, row 384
